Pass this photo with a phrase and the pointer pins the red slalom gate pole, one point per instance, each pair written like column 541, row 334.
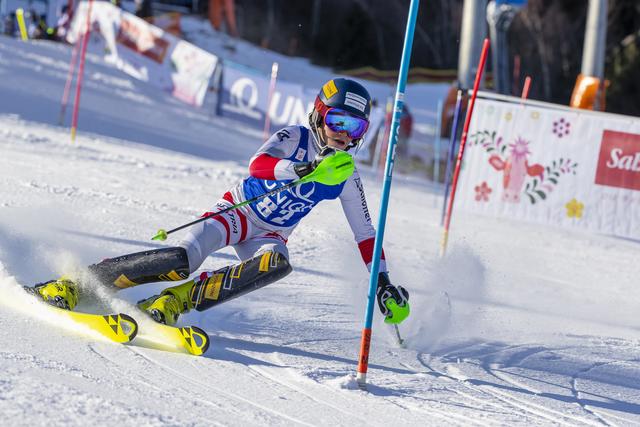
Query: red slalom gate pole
column 526, row 87
column 76, row 102
column 463, row 141
column 67, row 85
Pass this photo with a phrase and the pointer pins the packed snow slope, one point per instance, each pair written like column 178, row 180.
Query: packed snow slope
column 542, row 328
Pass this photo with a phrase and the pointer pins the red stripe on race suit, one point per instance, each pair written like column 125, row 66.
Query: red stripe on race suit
column 243, row 226
column 221, row 220
column 228, row 197
column 263, row 167
column 224, row 222
column 275, row 235
column 366, row 250
column 243, row 219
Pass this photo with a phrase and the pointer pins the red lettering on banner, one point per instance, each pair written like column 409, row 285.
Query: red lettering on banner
column 619, row 161
column 138, row 37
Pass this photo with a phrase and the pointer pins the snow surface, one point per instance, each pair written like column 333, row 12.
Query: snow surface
column 543, row 326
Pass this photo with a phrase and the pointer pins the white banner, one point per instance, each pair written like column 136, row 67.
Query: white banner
column 146, row 52
column 561, row 167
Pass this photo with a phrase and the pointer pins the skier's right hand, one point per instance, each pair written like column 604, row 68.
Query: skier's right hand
column 393, row 301
column 303, row 169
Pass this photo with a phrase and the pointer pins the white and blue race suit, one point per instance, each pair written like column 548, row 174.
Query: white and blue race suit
column 287, row 208
column 267, row 223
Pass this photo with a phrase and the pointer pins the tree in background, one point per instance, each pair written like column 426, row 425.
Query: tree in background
column 547, row 36
column 622, row 67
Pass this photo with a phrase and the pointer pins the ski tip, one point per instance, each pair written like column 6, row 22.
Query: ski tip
column 196, row 340
column 129, row 326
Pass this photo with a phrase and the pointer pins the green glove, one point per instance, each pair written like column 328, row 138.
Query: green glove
column 393, row 301
column 330, row 167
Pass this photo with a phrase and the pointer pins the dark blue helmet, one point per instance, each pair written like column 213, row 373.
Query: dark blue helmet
column 345, row 94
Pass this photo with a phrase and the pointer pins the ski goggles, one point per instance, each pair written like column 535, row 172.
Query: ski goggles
column 342, row 121
column 339, row 120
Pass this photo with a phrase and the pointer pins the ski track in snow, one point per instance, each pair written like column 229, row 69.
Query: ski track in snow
column 505, row 388
column 542, row 327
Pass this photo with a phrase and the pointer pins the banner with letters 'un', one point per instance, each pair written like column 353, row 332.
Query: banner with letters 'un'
column 244, row 95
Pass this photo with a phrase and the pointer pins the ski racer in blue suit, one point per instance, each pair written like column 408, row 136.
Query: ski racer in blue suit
column 259, row 231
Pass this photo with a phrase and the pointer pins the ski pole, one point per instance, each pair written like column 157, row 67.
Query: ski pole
column 162, row 234
column 332, row 170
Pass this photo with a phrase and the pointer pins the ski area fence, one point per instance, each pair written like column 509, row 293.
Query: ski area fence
column 546, row 163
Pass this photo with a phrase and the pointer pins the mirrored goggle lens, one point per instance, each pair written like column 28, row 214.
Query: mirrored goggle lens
column 342, row 121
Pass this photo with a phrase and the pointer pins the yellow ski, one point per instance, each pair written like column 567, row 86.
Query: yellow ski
column 120, row 328
column 189, row 338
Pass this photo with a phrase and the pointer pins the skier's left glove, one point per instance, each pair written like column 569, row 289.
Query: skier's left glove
column 393, row 301
column 303, row 169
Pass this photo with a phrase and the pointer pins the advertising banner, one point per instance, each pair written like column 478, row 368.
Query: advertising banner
column 146, row 52
column 567, row 168
column 244, row 96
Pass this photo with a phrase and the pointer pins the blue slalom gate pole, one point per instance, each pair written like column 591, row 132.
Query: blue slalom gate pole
column 365, row 343
column 452, row 147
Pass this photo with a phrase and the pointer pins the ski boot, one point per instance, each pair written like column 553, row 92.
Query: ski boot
column 61, row 293
column 170, row 304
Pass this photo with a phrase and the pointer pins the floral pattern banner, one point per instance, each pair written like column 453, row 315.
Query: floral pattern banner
column 569, row 168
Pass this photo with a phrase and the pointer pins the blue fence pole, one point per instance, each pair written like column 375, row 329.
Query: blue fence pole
column 452, row 149
column 436, row 151
column 386, row 187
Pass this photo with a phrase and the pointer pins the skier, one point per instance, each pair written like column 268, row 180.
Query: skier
column 259, row 231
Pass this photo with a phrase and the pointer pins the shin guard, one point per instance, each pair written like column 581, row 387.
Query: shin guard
column 213, row 288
